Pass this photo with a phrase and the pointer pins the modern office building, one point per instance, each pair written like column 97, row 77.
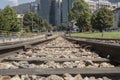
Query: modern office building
column 52, row 13
column 50, row 10
column 42, row 8
column 66, row 7
column 58, row 13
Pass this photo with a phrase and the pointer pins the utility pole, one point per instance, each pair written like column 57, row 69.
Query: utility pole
column 32, row 24
column 69, row 22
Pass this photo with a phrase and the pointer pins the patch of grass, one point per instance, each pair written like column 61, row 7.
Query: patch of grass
column 114, row 35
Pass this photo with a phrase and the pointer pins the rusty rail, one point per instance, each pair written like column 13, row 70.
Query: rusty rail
column 104, row 49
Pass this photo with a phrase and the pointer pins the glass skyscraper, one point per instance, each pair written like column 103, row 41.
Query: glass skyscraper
column 66, row 7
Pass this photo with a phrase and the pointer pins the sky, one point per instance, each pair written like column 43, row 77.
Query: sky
column 3, row 3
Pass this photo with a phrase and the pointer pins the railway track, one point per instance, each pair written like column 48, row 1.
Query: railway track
column 103, row 40
column 58, row 59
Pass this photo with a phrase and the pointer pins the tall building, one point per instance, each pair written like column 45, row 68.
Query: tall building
column 52, row 13
column 66, row 7
column 50, row 10
column 34, row 7
column 58, row 13
column 43, row 8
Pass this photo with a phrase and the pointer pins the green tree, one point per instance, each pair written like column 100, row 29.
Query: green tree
column 119, row 22
column 27, row 29
column 2, row 21
column 44, row 29
column 63, row 26
column 28, row 20
column 81, row 14
column 34, row 21
column 50, row 27
column 102, row 19
column 9, row 20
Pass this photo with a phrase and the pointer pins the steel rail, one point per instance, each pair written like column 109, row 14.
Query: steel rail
column 61, row 47
column 104, row 49
column 56, row 59
column 49, row 71
column 17, row 46
column 94, row 38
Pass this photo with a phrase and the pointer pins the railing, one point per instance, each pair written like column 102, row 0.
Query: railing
column 5, row 38
column 8, row 38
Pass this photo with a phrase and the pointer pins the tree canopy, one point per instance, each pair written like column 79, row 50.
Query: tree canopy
column 80, row 13
column 63, row 26
column 9, row 20
column 34, row 22
column 102, row 19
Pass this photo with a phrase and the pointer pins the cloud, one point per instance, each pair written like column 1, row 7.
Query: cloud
column 15, row 2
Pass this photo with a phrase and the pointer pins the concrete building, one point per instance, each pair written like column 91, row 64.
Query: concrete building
column 96, row 4
column 116, row 18
column 103, row 3
column 92, row 5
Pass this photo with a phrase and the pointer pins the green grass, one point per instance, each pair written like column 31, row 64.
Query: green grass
column 114, row 35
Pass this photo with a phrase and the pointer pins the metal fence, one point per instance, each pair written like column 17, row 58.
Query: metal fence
column 5, row 37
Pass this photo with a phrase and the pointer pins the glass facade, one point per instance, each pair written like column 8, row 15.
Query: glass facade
column 66, row 7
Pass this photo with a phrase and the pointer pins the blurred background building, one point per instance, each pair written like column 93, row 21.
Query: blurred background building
column 56, row 12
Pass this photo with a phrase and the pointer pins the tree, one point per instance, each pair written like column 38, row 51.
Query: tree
column 28, row 20
column 9, row 20
column 119, row 22
column 50, row 27
column 44, row 29
column 81, row 14
column 102, row 19
column 2, row 22
column 34, row 22
column 63, row 26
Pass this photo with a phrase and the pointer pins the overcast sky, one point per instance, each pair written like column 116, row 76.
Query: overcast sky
column 3, row 3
